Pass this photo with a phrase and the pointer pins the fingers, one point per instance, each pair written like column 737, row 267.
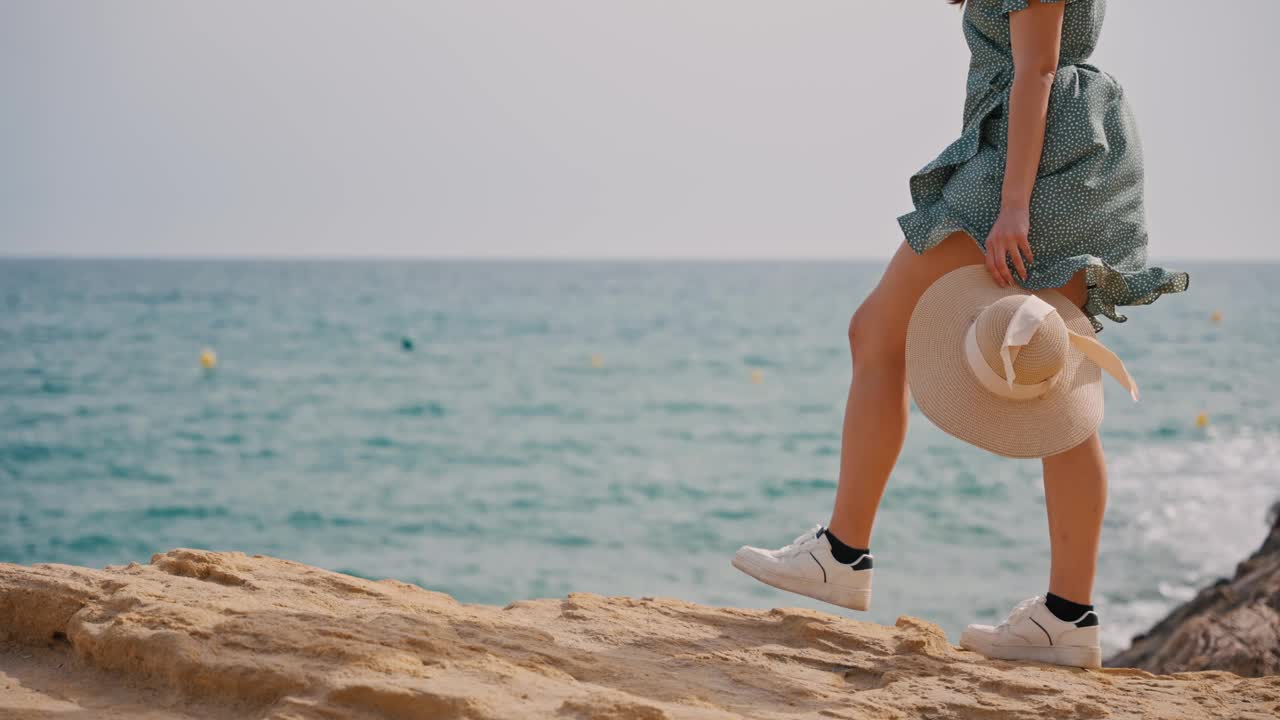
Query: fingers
column 998, row 264
column 1023, row 251
column 1001, row 252
column 1017, row 263
column 992, row 267
column 1008, row 242
column 1024, row 244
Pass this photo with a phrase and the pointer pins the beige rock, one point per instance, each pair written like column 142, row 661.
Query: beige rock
column 202, row 634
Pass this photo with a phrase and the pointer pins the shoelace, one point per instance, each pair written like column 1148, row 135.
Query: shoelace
column 801, row 543
column 1021, row 611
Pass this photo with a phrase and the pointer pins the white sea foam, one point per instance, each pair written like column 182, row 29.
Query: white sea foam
column 1185, row 515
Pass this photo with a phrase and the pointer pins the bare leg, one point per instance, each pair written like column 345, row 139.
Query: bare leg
column 1075, row 496
column 875, row 417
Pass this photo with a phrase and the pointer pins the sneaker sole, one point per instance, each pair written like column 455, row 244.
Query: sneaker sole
column 850, row 598
column 1070, row 655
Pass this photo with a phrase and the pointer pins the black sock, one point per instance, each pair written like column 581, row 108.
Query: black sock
column 1068, row 611
column 848, row 555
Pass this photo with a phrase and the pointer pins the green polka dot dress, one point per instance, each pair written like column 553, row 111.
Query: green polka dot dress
column 1087, row 205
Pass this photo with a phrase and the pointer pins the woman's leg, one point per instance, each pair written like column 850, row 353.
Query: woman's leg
column 1075, row 496
column 875, row 417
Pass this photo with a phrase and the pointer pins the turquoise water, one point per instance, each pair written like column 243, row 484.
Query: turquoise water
column 495, row 462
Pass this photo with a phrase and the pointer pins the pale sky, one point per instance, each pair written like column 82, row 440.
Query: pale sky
column 568, row 128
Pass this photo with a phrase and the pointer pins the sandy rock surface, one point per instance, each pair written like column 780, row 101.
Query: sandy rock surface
column 203, row 634
column 1233, row 625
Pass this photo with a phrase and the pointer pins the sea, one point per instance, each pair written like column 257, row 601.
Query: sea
column 504, row 430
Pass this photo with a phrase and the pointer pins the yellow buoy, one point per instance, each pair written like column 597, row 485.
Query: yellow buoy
column 208, row 359
column 1202, row 420
column 757, row 376
column 597, row 361
column 1216, row 316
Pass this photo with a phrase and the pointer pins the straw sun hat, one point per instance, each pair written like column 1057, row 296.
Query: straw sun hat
column 1013, row 372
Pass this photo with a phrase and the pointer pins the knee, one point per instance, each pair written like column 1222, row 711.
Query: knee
column 873, row 339
column 855, row 328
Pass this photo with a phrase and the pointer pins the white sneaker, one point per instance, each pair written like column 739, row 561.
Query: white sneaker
column 807, row 567
column 1034, row 633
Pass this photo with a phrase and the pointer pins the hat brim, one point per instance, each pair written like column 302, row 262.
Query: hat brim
column 947, row 392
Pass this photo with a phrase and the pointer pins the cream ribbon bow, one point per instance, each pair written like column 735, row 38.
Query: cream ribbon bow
column 1026, row 320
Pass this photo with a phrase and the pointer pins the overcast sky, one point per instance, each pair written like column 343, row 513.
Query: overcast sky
column 552, row 128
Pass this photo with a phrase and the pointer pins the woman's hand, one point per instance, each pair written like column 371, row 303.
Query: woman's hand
column 1008, row 239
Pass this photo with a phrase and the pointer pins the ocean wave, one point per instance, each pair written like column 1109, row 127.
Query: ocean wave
column 1195, row 509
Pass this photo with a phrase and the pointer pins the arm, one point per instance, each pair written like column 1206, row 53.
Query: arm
column 1036, row 35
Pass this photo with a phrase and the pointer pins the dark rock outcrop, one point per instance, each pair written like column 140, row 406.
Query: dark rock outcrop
column 1232, row 625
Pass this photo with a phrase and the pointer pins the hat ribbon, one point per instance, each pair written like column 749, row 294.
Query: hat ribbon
column 1026, row 320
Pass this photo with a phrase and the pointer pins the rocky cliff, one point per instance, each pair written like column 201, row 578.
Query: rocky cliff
column 203, row 634
column 1232, row 625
